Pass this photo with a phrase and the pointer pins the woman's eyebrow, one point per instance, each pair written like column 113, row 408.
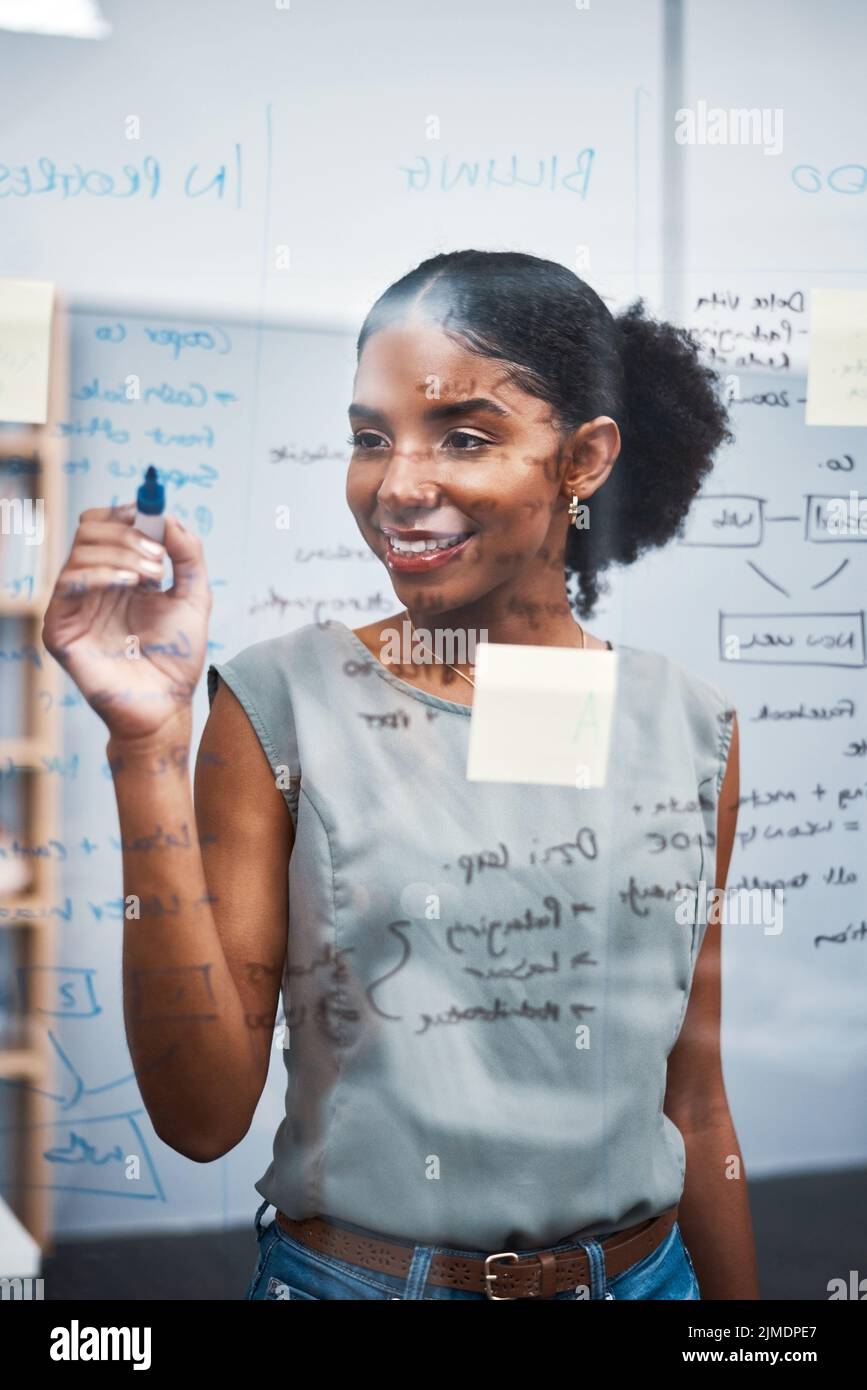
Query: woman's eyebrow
column 477, row 403
column 446, row 411
column 367, row 412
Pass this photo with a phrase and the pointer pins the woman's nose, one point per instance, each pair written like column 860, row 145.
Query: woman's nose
column 407, row 481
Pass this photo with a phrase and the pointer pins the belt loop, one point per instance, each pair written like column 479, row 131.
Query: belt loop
column 596, row 1260
column 548, row 1261
column 259, row 1227
column 416, row 1276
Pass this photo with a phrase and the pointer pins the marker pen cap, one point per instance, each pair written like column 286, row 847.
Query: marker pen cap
column 150, row 507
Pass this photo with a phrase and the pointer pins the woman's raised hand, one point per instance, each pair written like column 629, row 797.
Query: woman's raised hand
column 135, row 652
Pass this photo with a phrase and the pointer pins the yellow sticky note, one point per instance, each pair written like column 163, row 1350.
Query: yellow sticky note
column 541, row 715
column 837, row 369
column 25, row 340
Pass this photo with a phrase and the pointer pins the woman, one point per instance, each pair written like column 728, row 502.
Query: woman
column 502, row 1043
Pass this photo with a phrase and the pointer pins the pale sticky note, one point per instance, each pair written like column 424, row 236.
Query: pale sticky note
column 541, row 715
column 25, row 339
column 837, row 369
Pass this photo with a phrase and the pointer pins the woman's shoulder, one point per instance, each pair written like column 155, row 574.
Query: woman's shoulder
column 679, row 693
column 277, row 663
column 657, row 664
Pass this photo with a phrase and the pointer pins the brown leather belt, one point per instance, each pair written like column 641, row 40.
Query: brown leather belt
column 523, row 1276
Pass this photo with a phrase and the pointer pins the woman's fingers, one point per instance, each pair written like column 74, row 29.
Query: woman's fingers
column 105, row 540
column 87, row 555
column 187, row 554
column 124, row 513
column 117, row 533
column 72, row 584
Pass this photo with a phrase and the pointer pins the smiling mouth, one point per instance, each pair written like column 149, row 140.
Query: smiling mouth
column 425, row 552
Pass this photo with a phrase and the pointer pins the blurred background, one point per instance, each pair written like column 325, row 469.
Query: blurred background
column 217, row 193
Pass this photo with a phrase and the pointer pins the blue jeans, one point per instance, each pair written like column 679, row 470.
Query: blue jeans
column 287, row 1269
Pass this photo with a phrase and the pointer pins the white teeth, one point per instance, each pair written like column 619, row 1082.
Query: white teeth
column 416, row 547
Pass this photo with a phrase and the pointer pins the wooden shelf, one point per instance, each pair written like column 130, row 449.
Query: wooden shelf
column 27, row 753
column 22, row 1061
column 20, row 443
column 23, row 607
column 28, row 1056
column 25, row 907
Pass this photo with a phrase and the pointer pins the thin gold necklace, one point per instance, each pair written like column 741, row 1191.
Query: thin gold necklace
column 460, row 673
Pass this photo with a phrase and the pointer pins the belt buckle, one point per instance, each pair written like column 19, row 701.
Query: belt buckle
column 490, row 1278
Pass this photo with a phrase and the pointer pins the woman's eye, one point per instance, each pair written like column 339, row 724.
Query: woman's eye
column 459, row 440
column 474, row 441
column 362, row 439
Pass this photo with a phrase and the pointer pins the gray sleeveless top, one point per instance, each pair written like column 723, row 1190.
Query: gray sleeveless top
column 483, row 981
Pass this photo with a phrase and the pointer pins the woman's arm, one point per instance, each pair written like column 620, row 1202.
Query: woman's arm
column 714, row 1213
column 201, row 979
column 205, row 888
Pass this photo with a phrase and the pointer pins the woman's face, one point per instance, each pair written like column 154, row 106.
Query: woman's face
column 454, row 474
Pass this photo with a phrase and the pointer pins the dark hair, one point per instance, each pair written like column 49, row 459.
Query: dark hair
column 564, row 346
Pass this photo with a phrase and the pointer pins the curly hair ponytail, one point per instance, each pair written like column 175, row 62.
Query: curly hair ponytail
column 562, row 344
column 671, row 422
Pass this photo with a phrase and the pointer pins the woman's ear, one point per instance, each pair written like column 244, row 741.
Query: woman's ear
column 592, row 450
